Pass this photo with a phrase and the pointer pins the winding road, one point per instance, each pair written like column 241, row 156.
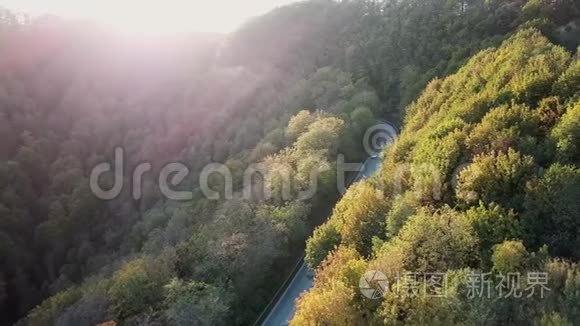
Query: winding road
column 285, row 307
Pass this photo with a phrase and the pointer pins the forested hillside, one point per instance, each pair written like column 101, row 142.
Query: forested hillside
column 485, row 177
column 293, row 88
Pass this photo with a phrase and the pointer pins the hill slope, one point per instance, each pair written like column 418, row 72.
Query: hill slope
column 484, row 178
column 293, row 88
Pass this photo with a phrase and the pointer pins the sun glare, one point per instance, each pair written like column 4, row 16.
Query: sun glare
column 153, row 16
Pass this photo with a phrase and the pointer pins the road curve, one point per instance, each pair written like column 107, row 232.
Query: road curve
column 285, row 307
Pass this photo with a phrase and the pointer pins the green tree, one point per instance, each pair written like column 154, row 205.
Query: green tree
column 332, row 298
column 196, row 303
column 509, row 257
column 299, row 124
column 138, row 285
column 324, row 239
column 499, row 178
column 360, row 216
column 552, row 211
column 566, row 135
column 431, row 242
column 493, row 225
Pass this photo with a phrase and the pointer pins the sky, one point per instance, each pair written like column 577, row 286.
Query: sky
column 152, row 16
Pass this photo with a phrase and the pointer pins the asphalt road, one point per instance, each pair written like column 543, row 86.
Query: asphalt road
column 285, row 308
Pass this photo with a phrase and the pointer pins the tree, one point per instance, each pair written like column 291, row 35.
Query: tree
column 566, row 135
column 496, row 177
column 493, row 225
column 568, row 85
column 330, row 305
column 499, row 114
column 402, row 209
column 552, row 211
column 196, row 303
column 509, row 257
column 138, row 285
column 290, row 221
column 299, row 124
column 48, row 312
column 322, row 135
column 69, row 99
column 503, row 127
column 433, row 162
column 398, row 308
column 91, row 309
column 331, row 300
column 431, row 242
column 324, row 239
column 362, row 118
column 554, row 319
column 360, row 216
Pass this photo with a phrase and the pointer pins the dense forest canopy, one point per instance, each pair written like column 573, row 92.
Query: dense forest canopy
column 485, row 177
column 294, row 88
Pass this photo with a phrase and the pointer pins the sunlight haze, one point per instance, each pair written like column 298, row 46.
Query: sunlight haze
column 169, row 16
column 289, row 162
